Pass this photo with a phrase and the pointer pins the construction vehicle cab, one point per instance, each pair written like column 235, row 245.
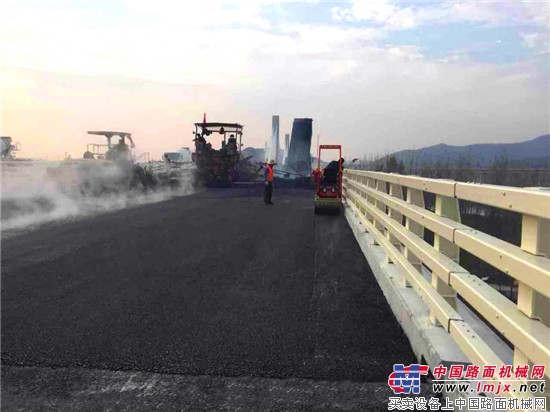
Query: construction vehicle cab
column 217, row 166
column 119, row 151
column 328, row 193
column 104, row 168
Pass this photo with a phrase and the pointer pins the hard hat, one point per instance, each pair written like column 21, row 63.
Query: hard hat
column 272, row 162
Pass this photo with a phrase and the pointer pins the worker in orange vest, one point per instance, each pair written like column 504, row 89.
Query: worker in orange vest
column 268, row 179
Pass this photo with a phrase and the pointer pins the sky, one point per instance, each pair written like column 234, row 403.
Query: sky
column 375, row 76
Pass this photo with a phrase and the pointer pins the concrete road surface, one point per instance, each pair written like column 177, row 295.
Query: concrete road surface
column 192, row 297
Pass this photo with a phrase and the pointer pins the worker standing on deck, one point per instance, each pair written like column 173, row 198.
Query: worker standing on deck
column 268, row 179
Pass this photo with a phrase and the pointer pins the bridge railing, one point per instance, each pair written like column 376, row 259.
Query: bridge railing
column 144, row 157
column 391, row 207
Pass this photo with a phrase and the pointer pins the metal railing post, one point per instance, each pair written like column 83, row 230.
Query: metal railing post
column 372, row 184
column 397, row 192
column 381, row 187
column 535, row 239
column 446, row 207
column 414, row 197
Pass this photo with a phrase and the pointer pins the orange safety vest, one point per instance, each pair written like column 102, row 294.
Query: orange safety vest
column 269, row 173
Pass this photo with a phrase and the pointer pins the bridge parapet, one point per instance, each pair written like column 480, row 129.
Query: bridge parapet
column 391, row 208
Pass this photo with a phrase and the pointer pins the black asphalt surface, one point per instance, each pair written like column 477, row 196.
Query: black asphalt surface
column 212, row 284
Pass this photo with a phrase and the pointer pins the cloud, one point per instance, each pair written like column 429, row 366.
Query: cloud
column 379, row 11
column 530, row 39
column 156, row 66
column 182, row 42
column 212, row 13
column 390, row 102
column 392, row 16
column 538, row 42
column 406, row 52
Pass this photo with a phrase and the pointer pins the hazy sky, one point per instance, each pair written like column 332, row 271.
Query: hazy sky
column 375, row 76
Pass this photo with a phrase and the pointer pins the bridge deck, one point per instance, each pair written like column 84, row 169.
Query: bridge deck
column 205, row 285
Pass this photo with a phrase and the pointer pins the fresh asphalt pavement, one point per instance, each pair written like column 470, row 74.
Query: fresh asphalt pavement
column 213, row 284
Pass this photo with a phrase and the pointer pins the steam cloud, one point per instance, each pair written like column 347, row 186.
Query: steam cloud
column 30, row 196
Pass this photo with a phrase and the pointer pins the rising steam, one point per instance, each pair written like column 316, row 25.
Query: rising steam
column 32, row 195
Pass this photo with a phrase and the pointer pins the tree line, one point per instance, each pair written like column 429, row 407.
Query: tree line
column 500, row 171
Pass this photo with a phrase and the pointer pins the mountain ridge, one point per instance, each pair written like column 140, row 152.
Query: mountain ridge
column 531, row 153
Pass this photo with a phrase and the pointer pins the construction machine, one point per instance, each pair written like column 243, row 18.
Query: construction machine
column 217, row 167
column 104, row 168
column 8, row 148
column 328, row 188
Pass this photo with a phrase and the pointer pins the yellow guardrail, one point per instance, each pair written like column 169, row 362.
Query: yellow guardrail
column 391, row 207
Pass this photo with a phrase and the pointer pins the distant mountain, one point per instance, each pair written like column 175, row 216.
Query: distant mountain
column 531, row 153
